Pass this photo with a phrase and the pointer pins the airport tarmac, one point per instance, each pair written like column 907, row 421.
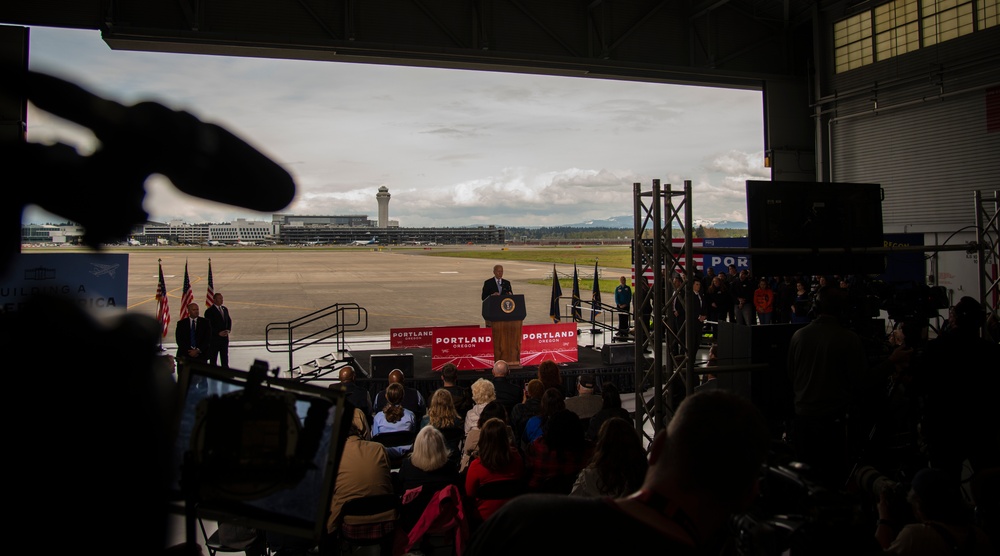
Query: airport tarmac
column 396, row 288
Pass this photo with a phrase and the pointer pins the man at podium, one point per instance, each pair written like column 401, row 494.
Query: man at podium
column 503, row 311
column 496, row 285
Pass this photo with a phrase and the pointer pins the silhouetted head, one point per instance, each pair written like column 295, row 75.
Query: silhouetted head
column 449, row 373
column 347, row 374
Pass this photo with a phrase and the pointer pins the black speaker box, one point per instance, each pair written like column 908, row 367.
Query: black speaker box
column 617, row 354
column 770, row 389
column 382, row 365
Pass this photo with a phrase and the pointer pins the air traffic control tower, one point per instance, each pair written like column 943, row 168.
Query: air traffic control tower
column 383, row 206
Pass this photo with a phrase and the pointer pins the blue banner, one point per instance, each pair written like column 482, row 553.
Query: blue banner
column 96, row 281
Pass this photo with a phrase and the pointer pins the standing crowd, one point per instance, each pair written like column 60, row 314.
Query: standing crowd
column 495, row 466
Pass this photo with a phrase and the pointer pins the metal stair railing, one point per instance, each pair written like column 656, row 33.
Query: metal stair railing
column 316, row 328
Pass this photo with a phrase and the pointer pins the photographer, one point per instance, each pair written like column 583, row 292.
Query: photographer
column 831, row 378
column 959, row 413
column 943, row 521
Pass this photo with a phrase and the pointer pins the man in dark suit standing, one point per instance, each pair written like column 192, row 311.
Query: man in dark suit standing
column 193, row 336
column 222, row 323
column 496, row 285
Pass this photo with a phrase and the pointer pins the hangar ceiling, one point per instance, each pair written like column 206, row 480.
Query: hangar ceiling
column 730, row 43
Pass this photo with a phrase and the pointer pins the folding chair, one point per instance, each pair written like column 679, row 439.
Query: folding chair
column 214, row 544
column 396, row 439
column 378, row 535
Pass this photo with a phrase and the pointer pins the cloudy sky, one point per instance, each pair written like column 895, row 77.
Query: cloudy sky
column 454, row 148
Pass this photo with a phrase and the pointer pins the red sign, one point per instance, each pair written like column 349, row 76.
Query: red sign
column 471, row 348
column 409, row 338
column 549, row 341
column 468, row 347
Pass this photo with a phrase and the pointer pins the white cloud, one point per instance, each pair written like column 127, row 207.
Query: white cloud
column 453, row 147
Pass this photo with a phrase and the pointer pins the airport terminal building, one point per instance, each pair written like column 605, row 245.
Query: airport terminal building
column 284, row 229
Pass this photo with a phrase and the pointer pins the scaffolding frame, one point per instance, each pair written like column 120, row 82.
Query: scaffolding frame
column 671, row 368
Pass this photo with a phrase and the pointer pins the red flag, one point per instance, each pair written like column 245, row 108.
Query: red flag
column 187, row 297
column 210, row 294
column 162, row 307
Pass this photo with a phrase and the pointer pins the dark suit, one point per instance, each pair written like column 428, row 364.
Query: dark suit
column 490, row 287
column 203, row 338
column 508, row 393
column 360, row 398
column 219, row 346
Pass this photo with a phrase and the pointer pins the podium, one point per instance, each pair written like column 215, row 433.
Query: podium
column 505, row 314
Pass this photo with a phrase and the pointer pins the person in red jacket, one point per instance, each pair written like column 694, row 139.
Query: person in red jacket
column 763, row 301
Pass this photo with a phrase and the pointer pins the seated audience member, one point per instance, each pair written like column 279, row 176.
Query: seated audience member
column 394, row 418
column 482, row 394
column 619, row 463
column 611, row 406
column 585, row 403
column 498, row 459
column 412, row 398
column 427, row 469
column 359, row 396
column 528, row 408
column 552, row 401
column 554, row 459
column 548, row 373
column 459, row 394
column 508, row 393
column 441, row 415
column 944, row 521
column 704, row 468
column 363, row 471
column 471, row 447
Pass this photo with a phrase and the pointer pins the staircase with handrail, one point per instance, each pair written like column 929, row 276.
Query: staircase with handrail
column 317, row 328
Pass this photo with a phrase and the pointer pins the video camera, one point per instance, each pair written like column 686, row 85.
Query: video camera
column 256, row 450
column 910, row 301
column 793, row 516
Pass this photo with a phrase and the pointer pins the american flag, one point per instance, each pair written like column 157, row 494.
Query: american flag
column 162, row 307
column 210, row 294
column 678, row 243
column 186, row 297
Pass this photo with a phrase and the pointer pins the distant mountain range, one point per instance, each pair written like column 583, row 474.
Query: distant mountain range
column 628, row 222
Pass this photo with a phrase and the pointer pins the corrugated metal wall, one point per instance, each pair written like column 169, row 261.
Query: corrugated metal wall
column 927, row 143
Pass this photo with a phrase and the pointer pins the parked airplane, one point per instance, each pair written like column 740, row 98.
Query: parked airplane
column 371, row 241
column 246, row 243
column 101, row 269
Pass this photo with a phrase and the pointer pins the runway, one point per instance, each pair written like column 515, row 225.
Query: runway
column 397, row 288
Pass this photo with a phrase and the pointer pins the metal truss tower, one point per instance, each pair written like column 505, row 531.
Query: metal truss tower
column 659, row 214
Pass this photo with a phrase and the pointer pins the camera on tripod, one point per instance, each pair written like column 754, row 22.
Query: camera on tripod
column 792, row 516
column 256, row 450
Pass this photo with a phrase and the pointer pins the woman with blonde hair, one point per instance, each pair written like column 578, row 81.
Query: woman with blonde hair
column 427, row 469
column 483, row 392
column 442, row 415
